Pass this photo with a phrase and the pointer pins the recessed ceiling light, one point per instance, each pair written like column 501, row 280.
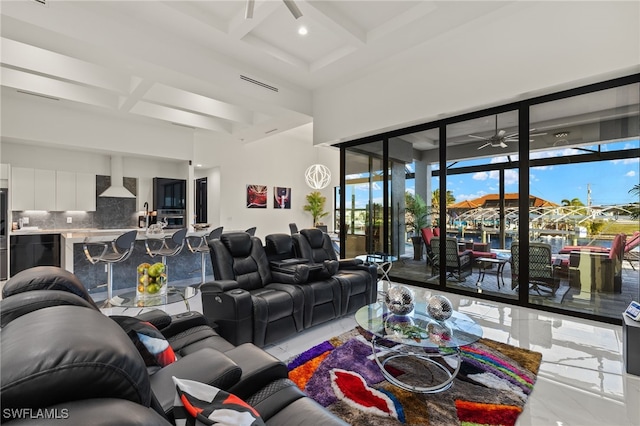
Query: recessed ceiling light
column 198, row 165
column 302, row 30
column 563, row 134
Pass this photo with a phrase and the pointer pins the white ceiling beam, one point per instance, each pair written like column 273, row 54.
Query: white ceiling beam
column 35, row 59
column 326, row 15
column 138, row 88
column 184, row 118
column 239, row 26
column 163, row 94
column 276, row 53
column 36, row 84
column 191, row 10
column 332, row 57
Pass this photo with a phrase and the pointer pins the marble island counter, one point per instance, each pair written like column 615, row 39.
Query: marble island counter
column 184, row 267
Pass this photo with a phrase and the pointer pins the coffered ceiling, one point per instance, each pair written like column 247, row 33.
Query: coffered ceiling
column 202, row 64
column 205, row 66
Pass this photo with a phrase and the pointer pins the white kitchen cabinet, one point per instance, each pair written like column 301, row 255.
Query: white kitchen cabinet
column 65, row 191
column 44, row 189
column 75, row 191
column 22, row 188
column 35, row 189
column 86, row 192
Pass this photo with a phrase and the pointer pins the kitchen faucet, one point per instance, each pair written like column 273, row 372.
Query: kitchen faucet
column 146, row 214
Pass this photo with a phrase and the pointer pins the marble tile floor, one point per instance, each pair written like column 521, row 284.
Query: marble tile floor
column 582, row 379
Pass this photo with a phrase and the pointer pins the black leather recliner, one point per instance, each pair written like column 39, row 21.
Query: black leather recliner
column 322, row 292
column 358, row 280
column 249, row 301
column 57, row 354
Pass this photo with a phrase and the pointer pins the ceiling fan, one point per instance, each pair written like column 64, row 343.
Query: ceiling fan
column 293, row 8
column 500, row 138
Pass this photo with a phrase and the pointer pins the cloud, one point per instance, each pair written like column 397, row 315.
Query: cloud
column 510, row 177
column 481, row 176
column 630, row 173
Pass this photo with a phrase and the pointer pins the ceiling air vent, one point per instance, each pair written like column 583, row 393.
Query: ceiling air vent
column 258, row 83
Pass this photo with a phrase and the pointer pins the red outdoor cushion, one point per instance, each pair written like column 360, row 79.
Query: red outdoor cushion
column 477, row 254
column 595, row 249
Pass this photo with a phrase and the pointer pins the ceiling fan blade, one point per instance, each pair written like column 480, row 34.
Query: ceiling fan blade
column 503, row 145
column 501, row 133
column 537, row 134
column 293, row 8
column 478, row 137
column 248, row 13
column 486, row 144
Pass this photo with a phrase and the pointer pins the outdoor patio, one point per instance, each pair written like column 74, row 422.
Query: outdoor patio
column 600, row 303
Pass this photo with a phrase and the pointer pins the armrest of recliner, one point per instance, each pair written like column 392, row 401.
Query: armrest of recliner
column 295, row 274
column 259, row 368
column 184, row 321
column 349, row 263
column 219, row 286
column 231, row 310
column 207, row 366
column 159, row 319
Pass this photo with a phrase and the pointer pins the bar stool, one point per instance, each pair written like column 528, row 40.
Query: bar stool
column 177, row 243
column 121, row 249
column 203, row 246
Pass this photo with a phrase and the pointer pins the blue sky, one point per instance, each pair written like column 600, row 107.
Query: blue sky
column 609, row 181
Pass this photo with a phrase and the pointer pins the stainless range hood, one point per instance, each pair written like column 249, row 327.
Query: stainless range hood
column 117, row 189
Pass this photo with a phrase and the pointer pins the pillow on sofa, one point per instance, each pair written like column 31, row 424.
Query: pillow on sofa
column 151, row 344
column 208, row 405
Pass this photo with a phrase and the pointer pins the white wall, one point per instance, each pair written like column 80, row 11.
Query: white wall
column 279, row 160
column 562, row 43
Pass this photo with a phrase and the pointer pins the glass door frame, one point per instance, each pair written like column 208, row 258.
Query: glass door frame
column 523, row 164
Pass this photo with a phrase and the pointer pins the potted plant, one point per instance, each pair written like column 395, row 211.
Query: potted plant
column 315, row 206
column 417, row 217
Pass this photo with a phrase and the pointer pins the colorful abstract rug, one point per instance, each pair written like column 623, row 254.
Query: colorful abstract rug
column 491, row 388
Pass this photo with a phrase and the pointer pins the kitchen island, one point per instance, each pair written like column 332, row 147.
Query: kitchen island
column 183, row 268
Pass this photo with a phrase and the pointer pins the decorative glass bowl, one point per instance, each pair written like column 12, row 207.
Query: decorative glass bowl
column 152, row 280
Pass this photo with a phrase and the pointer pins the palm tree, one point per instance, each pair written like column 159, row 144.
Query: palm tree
column 435, row 198
column 574, row 202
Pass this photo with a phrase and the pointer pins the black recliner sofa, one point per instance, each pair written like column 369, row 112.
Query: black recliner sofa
column 358, row 279
column 263, row 294
column 60, row 353
column 248, row 301
column 322, row 292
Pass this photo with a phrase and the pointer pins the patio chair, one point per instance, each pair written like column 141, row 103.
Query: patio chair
column 543, row 272
column 458, row 264
column 427, row 235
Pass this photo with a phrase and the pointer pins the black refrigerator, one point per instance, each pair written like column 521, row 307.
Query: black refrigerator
column 4, row 232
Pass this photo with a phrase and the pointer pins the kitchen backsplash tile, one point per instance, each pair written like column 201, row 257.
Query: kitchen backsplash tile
column 111, row 213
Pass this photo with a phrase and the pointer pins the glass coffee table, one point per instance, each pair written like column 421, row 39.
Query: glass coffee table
column 418, row 338
column 173, row 295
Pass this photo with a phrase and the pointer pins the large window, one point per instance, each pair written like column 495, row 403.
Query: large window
column 538, row 200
